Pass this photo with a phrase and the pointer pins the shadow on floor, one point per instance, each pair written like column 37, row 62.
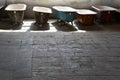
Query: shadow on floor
column 36, row 27
column 88, row 27
column 112, row 26
column 6, row 25
column 62, row 26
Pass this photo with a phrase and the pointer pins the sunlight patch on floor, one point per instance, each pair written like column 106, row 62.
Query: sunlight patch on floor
column 27, row 24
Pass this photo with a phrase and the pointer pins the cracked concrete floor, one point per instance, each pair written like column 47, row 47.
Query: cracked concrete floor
column 59, row 55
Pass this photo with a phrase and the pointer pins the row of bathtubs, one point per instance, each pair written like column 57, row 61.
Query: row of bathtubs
column 64, row 13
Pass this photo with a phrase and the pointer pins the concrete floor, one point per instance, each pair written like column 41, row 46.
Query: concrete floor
column 60, row 53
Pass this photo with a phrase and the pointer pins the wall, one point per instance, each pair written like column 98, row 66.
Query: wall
column 50, row 3
column 2, row 2
column 106, row 2
column 115, row 3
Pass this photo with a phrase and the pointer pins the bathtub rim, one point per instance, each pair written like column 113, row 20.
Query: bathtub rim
column 86, row 12
column 35, row 9
column 71, row 9
column 8, row 9
column 109, row 8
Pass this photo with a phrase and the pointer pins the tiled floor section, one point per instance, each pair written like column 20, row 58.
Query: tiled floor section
column 77, row 55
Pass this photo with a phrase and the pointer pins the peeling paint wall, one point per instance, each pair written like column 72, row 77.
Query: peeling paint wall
column 50, row 3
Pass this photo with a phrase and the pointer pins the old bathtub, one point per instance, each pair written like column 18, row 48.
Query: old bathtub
column 86, row 17
column 105, row 13
column 41, row 14
column 16, row 12
column 64, row 13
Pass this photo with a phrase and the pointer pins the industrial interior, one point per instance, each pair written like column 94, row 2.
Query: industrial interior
column 59, row 39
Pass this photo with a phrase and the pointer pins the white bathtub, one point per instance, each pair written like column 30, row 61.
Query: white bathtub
column 16, row 7
column 16, row 12
column 41, row 14
column 105, row 13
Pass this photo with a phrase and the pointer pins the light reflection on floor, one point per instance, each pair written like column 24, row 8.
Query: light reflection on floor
column 27, row 23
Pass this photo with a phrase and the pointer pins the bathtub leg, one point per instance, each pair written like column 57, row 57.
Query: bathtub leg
column 40, row 25
column 57, row 20
column 15, row 18
column 60, row 23
column 72, row 23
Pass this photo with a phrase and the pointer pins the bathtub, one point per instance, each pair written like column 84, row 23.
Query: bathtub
column 105, row 13
column 41, row 14
column 16, row 12
column 65, row 13
column 86, row 17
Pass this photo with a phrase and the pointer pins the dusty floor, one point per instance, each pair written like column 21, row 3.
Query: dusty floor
column 60, row 53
